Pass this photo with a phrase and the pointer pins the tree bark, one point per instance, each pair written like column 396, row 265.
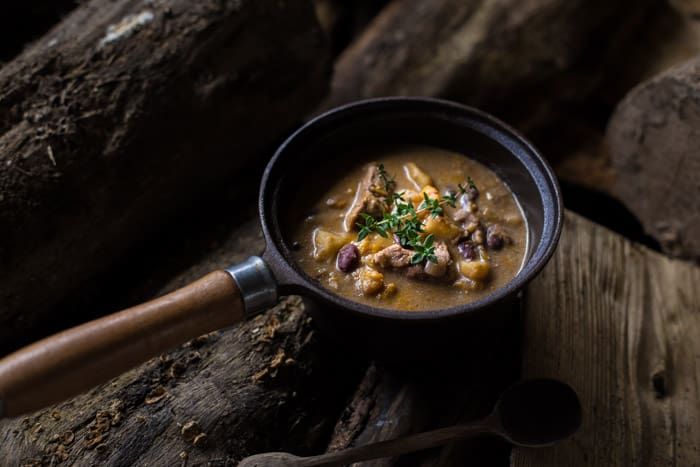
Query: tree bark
column 124, row 111
column 654, row 143
column 271, row 383
column 485, row 53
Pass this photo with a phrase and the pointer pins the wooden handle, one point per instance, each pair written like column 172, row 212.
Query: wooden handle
column 80, row 358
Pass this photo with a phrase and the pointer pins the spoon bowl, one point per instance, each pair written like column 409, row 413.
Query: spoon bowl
column 538, row 412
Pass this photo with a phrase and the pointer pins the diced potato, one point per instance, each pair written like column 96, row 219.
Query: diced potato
column 441, row 228
column 389, row 290
column 416, row 175
column 368, row 281
column 474, row 270
column 372, row 243
column 327, row 244
column 413, row 196
column 431, row 191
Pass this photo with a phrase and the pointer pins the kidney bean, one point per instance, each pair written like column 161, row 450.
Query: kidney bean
column 494, row 238
column 348, row 258
column 467, row 250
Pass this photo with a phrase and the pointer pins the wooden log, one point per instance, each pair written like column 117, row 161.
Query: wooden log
column 486, row 53
column 620, row 323
column 124, row 111
column 654, row 142
column 269, row 384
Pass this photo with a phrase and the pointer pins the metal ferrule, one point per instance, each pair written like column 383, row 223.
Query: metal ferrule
column 256, row 283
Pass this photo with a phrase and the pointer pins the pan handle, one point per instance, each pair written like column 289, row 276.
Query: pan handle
column 73, row 361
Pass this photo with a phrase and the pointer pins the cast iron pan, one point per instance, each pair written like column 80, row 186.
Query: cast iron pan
column 75, row 360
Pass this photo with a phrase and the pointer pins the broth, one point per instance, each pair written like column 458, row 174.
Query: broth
column 478, row 234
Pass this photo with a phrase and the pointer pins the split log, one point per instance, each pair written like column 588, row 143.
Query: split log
column 127, row 109
column 269, row 384
column 485, row 53
column 654, row 144
column 621, row 326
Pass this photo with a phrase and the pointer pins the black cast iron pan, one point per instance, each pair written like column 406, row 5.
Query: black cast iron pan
column 75, row 360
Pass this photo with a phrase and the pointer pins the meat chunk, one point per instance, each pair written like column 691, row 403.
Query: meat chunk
column 429, row 269
column 463, row 215
column 443, row 260
column 394, row 256
column 417, row 272
column 470, row 222
column 370, row 198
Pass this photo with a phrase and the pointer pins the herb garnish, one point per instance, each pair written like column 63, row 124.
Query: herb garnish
column 388, row 182
column 404, row 222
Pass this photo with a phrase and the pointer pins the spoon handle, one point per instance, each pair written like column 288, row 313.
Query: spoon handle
column 75, row 360
column 399, row 446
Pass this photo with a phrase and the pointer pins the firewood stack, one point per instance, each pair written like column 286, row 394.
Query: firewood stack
column 132, row 135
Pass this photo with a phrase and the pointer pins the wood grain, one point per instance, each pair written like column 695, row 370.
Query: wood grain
column 620, row 323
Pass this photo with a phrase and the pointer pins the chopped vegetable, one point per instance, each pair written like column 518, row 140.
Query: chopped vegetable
column 327, row 244
column 474, row 270
column 369, row 281
column 416, row 175
column 442, row 228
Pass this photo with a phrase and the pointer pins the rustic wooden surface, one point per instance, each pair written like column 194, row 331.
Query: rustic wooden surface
column 620, row 323
column 104, row 135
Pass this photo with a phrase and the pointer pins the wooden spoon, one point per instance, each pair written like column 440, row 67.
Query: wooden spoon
column 532, row 413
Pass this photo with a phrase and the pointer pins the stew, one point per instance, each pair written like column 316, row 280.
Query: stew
column 408, row 228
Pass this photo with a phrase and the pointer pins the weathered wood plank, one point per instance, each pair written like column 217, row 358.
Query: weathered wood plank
column 621, row 324
column 614, row 319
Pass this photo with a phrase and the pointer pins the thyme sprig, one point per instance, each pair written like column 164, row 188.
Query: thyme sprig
column 389, row 183
column 404, row 223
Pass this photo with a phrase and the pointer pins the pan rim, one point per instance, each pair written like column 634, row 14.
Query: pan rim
column 294, row 280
